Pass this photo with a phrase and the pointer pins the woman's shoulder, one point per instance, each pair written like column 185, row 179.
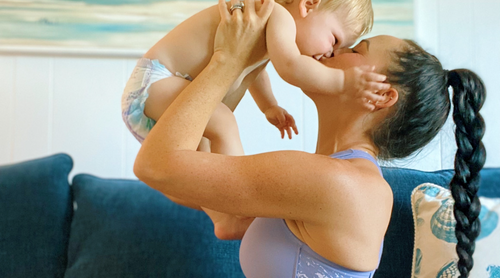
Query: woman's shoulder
column 367, row 182
column 357, row 216
column 365, row 192
column 353, row 184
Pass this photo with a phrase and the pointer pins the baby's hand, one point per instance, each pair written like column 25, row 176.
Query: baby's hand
column 363, row 84
column 282, row 120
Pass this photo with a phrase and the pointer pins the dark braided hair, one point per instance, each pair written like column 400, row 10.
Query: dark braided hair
column 468, row 98
column 421, row 111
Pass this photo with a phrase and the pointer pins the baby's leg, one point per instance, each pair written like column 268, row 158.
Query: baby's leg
column 161, row 94
column 204, row 145
column 224, row 136
column 222, row 131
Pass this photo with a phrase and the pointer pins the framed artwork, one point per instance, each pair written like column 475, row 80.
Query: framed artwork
column 129, row 27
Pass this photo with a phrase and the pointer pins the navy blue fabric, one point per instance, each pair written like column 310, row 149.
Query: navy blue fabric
column 35, row 215
column 399, row 240
column 490, row 183
column 123, row 228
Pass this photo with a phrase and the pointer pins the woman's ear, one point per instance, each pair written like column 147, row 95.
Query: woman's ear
column 307, row 6
column 390, row 96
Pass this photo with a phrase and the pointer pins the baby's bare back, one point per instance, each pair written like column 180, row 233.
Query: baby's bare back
column 189, row 47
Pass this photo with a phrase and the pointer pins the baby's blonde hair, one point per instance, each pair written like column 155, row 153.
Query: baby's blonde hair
column 358, row 13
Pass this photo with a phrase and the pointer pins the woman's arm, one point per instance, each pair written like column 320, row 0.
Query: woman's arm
column 290, row 185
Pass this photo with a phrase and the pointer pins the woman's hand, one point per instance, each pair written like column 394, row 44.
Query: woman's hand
column 363, row 84
column 240, row 37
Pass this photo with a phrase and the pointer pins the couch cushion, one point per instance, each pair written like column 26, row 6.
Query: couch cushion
column 35, row 216
column 435, row 240
column 123, row 228
column 398, row 245
column 490, row 183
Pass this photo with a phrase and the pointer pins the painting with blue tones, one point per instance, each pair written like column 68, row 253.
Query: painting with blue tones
column 133, row 24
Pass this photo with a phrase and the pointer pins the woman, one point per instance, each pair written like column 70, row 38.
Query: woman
column 318, row 213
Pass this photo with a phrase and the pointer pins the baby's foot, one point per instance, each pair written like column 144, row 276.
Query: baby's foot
column 228, row 227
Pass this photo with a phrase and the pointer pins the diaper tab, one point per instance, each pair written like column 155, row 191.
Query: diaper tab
column 185, row 76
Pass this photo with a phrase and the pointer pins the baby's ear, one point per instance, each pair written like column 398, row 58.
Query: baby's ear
column 307, row 6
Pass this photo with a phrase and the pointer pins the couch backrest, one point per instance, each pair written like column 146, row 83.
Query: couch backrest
column 126, row 229
column 399, row 240
column 35, row 216
column 123, row 228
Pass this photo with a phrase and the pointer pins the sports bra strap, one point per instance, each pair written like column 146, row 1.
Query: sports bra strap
column 352, row 153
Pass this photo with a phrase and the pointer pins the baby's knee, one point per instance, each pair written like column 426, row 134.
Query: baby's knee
column 222, row 124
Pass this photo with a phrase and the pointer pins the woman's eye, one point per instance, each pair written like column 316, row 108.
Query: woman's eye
column 354, row 51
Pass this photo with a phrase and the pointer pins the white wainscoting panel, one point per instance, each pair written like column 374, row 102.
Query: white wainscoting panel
column 464, row 34
column 32, row 107
column 487, row 51
column 54, row 104
column 7, row 77
column 86, row 114
column 257, row 134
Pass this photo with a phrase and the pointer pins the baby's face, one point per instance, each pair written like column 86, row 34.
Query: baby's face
column 321, row 32
column 375, row 51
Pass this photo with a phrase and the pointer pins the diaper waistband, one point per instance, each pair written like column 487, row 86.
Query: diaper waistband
column 150, row 64
column 145, row 63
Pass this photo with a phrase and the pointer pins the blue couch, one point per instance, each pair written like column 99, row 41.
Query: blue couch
column 94, row 227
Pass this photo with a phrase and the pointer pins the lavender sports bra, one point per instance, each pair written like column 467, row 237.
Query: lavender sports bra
column 270, row 250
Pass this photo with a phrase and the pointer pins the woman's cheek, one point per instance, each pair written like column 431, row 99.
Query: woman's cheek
column 345, row 61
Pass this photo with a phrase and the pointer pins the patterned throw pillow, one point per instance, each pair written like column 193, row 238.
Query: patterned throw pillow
column 434, row 253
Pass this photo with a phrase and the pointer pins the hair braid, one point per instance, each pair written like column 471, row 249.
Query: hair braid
column 468, row 98
column 420, row 113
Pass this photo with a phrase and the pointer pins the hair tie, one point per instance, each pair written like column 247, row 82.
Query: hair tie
column 446, row 74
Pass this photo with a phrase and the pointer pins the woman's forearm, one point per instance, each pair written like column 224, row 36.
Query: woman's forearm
column 182, row 125
column 239, row 43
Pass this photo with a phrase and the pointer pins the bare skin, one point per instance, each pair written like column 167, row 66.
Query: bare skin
column 298, row 32
column 191, row 54
column 340, row 208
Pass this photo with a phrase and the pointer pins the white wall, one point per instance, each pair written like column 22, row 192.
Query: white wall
column 465, row 34
column 65, row 104
column 51, row 103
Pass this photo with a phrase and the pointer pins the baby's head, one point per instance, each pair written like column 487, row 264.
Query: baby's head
column 357, row 14
column 326, row 25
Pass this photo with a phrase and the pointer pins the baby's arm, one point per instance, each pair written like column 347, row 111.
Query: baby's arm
column 305, row 72
column 262, row 93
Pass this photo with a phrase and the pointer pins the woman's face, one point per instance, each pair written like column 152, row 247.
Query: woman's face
column 373, row 51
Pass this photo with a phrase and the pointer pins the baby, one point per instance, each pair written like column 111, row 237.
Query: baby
column 299, row 34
